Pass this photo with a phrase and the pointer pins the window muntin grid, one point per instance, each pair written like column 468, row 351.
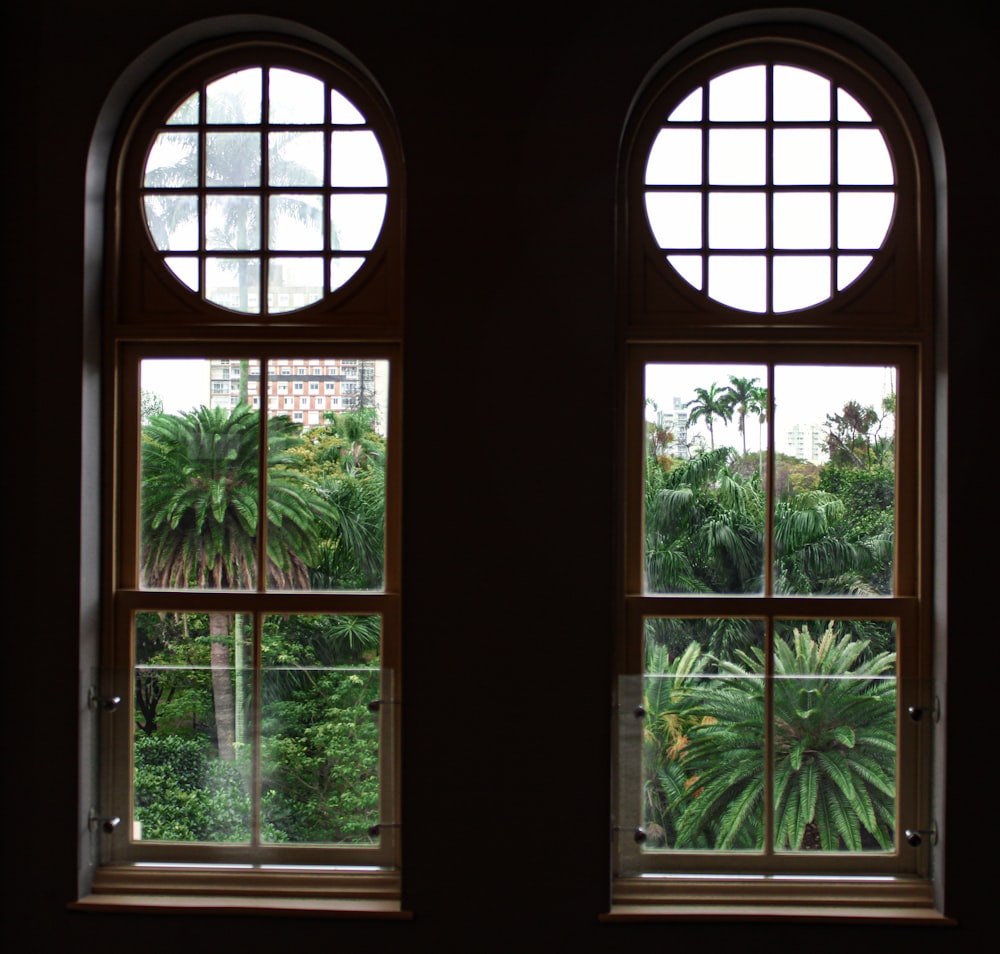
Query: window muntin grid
column 265, row 190
column 769, row 188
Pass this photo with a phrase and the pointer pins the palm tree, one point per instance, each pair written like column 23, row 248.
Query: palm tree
column 710, row 404
column 200, row 518
column 834, row 749
column 744, row 397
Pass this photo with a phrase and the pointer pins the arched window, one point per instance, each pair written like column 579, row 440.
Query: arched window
column 775, row 706
column 249, row 688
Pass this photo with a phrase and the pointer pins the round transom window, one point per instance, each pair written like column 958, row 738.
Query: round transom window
column 265, row 190
column 769, row 188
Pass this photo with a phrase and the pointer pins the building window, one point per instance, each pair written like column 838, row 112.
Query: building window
column 254, row 647
column 775, row 625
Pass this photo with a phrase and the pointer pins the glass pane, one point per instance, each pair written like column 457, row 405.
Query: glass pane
column 326, row 491
column 738, row 280
column 801, row 156
column 849, row 268
column 172, row 221
column 187, row 113
column 801, row 220
column 689, row 108
column 232, row 159
column 736, row 156
column 343, row 269
column 863, row 218
column 703, row 734
column 689, row 267
column 863, row 158
column 232, row 223
column 293, row 283
column 799, row 281
column 849, row 110
column 199, row 480
column 834, row 516
column 233, row 283
column 186, row 270
column 294, row 97
column 737, row 220
column 834, row 735
column 172, row 162
column 356, row 220
column 235, row 98
column 193, row 727
column 738, row 95
column 295, row 158
column 800, row 95
column 675, row 158
column 705, row 457
column 343, row 111
column 296, row 222
column 320, row 718
column 675, row 218
column 356, row 160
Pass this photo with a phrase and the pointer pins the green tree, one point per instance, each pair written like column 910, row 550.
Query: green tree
column 710, row 404
column 744, row 396
column 200, row 518
column 834, row 748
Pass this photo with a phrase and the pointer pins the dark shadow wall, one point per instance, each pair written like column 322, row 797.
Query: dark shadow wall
column 510, row 117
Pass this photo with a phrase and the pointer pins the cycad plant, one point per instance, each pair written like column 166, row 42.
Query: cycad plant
column 834, row 749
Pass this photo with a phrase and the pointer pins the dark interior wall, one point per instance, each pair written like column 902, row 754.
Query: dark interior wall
column 510, row 117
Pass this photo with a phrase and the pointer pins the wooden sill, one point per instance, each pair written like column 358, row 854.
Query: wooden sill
column 221, row 890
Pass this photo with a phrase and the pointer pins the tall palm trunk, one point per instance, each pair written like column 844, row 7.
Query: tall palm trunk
column 222, row 686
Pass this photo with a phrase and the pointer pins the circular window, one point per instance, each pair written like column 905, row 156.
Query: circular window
column 265, row 190
column 769, row 188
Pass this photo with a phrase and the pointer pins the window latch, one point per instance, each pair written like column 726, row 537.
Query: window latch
column 107, row 703
column 107, row 823
column 915, row 836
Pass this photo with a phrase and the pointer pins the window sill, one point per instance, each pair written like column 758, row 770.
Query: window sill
column 209, row 890
column 817, row 900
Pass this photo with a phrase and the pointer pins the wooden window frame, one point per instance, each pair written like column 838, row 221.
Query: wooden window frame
column 888, row 315
column 149, row 314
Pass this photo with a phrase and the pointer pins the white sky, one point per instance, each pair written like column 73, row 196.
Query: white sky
column 803, row 394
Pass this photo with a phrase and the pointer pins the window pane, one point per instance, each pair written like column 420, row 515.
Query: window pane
column 863, row 158
column 356, row 220
column 233, row 283
column 737, row 156
column 232, row 223
column 737, row 220
column 172, row 162
column 704, row 459
column 296, row 158
column 199, row 483
column 800, row 95
column 675, row 218
column 356, row 160
column 834, row 735
column 799, row 281
column 801, row 156
column 738, row 95
column 296, row 222
column 235, row 98
column 232, row 159
column 173, row 222
column 293, row 283
column 193, row 728
column 738, row 280
column 703, row 734
column 834, row 480
column 675, row 158
column 294, row 97
column 326, row 485
column 320, row 729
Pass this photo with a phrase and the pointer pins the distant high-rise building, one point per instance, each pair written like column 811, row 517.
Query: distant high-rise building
column 304, row 389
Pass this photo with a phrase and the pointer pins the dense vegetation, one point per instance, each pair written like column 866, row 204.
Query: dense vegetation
column 833, row 722
column 195, row 690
